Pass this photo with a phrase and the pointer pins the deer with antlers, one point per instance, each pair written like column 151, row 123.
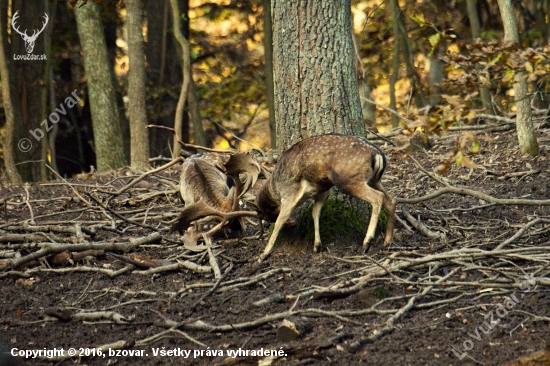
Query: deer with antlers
column 308, row 170
column 29, row 40
column 311, row 167
column 205, row 188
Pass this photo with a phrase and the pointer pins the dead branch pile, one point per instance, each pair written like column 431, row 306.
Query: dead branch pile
column 459, row 268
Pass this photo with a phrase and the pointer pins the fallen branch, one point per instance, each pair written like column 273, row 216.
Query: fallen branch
column 49, row 249
column 476, row 194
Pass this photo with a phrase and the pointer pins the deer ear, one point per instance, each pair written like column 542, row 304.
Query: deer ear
column 243, row 163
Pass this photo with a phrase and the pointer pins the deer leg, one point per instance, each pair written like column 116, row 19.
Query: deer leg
column 375, row 198
column 287, row 207
column 316, row 212
column 389, row 204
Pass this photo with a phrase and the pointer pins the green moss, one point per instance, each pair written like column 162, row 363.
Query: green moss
column 380, row 292
column 337, row 222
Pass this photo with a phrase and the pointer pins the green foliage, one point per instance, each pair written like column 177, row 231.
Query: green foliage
column 229, row 70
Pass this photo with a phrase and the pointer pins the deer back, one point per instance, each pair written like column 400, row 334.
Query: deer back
column 202, row 178
column 318, row 163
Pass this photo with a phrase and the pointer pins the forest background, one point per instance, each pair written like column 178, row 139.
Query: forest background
column 438, row 63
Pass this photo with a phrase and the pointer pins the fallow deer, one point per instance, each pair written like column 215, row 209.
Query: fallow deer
column 206, row 179
column 311, row 167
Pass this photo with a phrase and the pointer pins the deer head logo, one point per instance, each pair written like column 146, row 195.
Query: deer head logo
column 29, row 40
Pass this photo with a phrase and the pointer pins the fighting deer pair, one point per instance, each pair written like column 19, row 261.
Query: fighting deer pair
column 308, row 170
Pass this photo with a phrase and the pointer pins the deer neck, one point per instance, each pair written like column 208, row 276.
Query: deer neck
column 269, row 201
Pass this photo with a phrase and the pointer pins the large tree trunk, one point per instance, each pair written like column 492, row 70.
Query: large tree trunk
column 314, row 70
column 108, row 140
column 528, row 144
column 9, row 160
column 139, row 139
column 316, row 84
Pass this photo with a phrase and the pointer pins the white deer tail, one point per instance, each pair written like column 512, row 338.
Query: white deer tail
column 378, row 166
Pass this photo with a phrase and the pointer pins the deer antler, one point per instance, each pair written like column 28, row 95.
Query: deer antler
column 200, row 210
column 242, row 162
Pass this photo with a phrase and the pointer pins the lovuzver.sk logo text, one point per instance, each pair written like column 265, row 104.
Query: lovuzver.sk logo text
column 29, row 40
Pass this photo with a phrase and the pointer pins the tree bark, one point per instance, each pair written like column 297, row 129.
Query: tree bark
column 314, row 72
column 139, row 139
column 164, row 67
column 27, row 88
column 268, row 55
column 186, row 69
column 395, row 61
column 108, row 139
column 194, row 113
column 528, row 144
column 475, row 25
column 9, row 159
column 315, row 79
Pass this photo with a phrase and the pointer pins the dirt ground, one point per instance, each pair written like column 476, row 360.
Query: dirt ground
column 411, row 304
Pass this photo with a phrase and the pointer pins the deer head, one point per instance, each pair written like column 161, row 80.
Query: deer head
column 29, row 40
column 311, row 167
column 205, row 186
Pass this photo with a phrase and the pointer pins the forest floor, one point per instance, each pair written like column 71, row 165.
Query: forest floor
column 474, row 293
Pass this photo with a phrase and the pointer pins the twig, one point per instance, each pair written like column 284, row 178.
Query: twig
column 29, row 205
column 477, row 194
column 211, row 257
column 422, row 228
column 70, row 185
column 213, row 289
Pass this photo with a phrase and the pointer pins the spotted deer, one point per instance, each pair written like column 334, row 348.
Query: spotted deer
column 311, row 167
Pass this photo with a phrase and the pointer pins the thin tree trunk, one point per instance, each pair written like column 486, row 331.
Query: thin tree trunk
column 367, row 109
column 268, row 54
column 8, row 142
column 199, row 137
column 395, row 61
column 365, row 90
column 473, row 16
column 419, row 97
column 108, row 139
column 139, row 139
column 46, row 105
column 528, row 144
column 27, row 88
column 186, row 69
